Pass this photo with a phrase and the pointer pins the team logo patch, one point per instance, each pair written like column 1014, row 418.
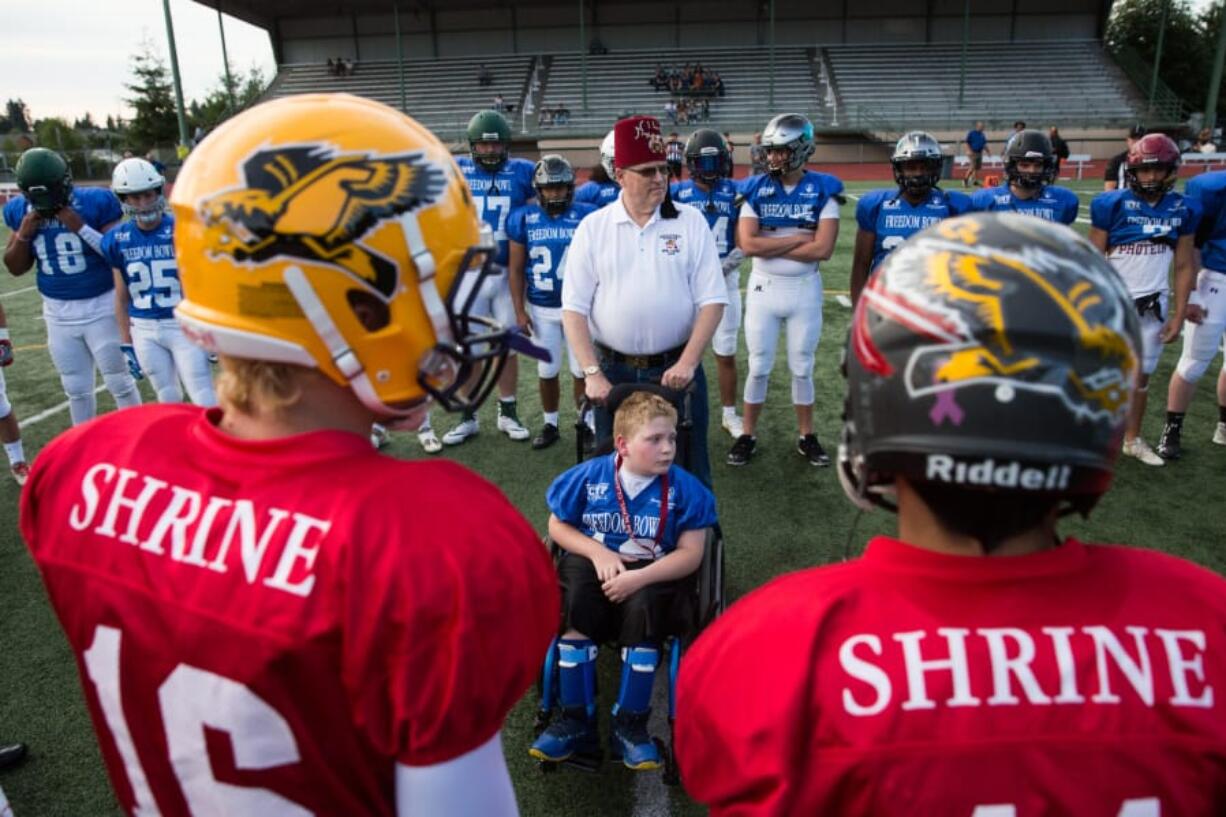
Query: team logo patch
column 671, row 244
column 274, row 212
column 597, row 491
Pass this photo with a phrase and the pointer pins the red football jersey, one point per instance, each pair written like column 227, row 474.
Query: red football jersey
column 267, row 627
column 1084, row 680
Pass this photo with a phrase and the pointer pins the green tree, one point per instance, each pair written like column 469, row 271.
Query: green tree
column 225, row 99
column 152, row 101
column 16, row 117
column 1186, row 53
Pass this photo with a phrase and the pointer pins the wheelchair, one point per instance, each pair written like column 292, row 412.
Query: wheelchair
column 707, row 597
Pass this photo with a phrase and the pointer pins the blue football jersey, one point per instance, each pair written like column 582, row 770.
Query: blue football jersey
column 68, row 268
column 598, row 193
column 545, row 240
column 1128, row 219
column 777, row 208
column 497, row 194
column 1052, row 203
column 584, row 498
column 147, row 261
column 892, row 219
column 1209, row 191
column 719, row 206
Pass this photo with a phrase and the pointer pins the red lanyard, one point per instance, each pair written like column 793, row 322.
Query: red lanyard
column 621, row 501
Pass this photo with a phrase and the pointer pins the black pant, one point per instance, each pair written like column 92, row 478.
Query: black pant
column 652, row 614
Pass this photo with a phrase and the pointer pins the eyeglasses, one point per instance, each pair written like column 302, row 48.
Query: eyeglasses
column 648, row 172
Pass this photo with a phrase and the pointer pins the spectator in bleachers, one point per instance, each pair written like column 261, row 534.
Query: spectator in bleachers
column 659, row 82
column 545, row 117
column 718, row 82
column 500, row 104
column 597, row 48
column 705, row 109
column 1058, row 146
column 349, row 66
column 1204, row 142
column 1113, row 176
column 976, row 145
column 332, row 67
column 561, row 115
column 484, row 76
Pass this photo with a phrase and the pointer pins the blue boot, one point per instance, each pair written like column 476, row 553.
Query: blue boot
column 574, row 733
column 629, row 738
column 631, row 741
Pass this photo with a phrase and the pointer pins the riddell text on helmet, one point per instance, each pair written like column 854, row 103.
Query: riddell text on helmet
column 944, row 468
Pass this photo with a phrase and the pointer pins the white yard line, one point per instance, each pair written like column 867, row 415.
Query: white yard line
column 51, row 412
column 17, row 291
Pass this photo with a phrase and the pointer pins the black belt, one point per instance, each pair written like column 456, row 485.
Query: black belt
column 655, row 361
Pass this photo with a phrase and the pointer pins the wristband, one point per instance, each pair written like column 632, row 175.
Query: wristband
column 91, row 237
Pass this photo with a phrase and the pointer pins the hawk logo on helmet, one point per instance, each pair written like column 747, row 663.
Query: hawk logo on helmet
column 275, row 212
column 965, row 301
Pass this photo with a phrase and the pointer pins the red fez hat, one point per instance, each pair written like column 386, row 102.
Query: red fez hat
column 637, row 141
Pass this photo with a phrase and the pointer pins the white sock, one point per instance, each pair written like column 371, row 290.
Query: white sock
column 15, row 453
column 551, row 418
column 729, row 411
column 424, row 427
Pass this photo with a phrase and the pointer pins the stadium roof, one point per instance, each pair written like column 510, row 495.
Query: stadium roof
column 263, row 12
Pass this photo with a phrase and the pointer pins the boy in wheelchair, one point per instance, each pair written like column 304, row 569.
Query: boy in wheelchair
column 631, row 526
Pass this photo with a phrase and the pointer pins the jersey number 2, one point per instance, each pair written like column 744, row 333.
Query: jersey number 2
column 191, row 699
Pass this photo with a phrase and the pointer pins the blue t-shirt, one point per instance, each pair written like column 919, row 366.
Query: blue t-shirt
column 546, row 240
column 722, row 213
column 598, row 193
column 1209, row 191
column 976, row 140
column 584, row 498
column 147, row 261
column 68, row 268
column 1128, row 219
column 1052, row 203
column 777, row 208
column 497, row 194
column 892, row 219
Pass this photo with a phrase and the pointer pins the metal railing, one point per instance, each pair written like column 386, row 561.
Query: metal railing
column 1165, row 108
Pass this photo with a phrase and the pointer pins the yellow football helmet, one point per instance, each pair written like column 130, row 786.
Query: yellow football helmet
column 331, row 231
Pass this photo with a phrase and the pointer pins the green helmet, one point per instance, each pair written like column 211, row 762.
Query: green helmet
column 489, row 126
column 45, row 179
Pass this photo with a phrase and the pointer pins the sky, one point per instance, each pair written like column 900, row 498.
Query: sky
column 81, row 62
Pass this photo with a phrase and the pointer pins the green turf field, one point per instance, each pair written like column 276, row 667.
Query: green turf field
column 779, row 514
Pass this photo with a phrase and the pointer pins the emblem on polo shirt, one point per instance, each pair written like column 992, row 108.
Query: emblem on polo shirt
column 672, row 243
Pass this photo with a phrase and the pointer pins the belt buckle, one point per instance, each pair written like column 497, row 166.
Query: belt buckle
column 638, row 361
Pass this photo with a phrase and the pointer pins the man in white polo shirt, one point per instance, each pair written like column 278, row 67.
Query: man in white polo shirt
column 643, row 291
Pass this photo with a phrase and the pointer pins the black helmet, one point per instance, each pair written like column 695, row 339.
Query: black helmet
column 45, row 179
column 707, row 156
column 1029, row 145
column 553, row 170
column 994, row 351
column 917, row 146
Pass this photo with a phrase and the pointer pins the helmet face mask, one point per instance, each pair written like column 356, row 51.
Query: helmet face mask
column 1027, row 147
column 553, row 179
column 920, row 153
column 46, row 181
column 133, row 177
column 332, row 232
column 788, row 132
column 994, row 352
column 1155, row 151
column 707, row 157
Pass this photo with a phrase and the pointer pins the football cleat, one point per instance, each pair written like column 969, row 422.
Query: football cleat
column 1169, row 444
column 809, row 448
column 378, row 436
column 20, row 472
column 572, row 733
column 548, row 436
column 1219, row 434
column 733, row 425
column 510, row 425
column 1140, row 449
column 742, row 450
column 467, row 428
column 632, row 743
column 429, row 441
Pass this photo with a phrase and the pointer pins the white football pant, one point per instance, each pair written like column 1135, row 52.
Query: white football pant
column 493, row 300
column 1151, row 337
column 166, row 356
column 75, row 348
column 723, row 342
column 795, row 303
column 1201, row 341
column 547, row 331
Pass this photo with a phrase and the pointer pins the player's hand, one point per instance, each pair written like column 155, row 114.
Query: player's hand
column 1196, row 313
column 608, row 565
column 1171, row 329
column 623, row 586
column 597, row 388
column 6, row 352
column 70, row 218
column 29, row 225
column 524, row 322
column 129, row 354
column 678, row 376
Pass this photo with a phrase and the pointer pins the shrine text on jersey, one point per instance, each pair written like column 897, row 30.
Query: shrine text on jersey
column 68, row 269
column 545, row 240
column 718, row 206
column 147, row 260
column 892, row 219
column 1141, row 237
column 496, row 195
column 1051, row 203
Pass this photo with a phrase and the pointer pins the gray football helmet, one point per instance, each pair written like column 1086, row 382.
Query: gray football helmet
column 794, row 132
column 917, row 145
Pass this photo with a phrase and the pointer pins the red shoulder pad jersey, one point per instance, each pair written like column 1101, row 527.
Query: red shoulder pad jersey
column 269, row 627
column 1085, row 680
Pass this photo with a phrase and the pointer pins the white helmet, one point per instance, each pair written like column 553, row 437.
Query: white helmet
column 606, row 154
column 138, row 176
